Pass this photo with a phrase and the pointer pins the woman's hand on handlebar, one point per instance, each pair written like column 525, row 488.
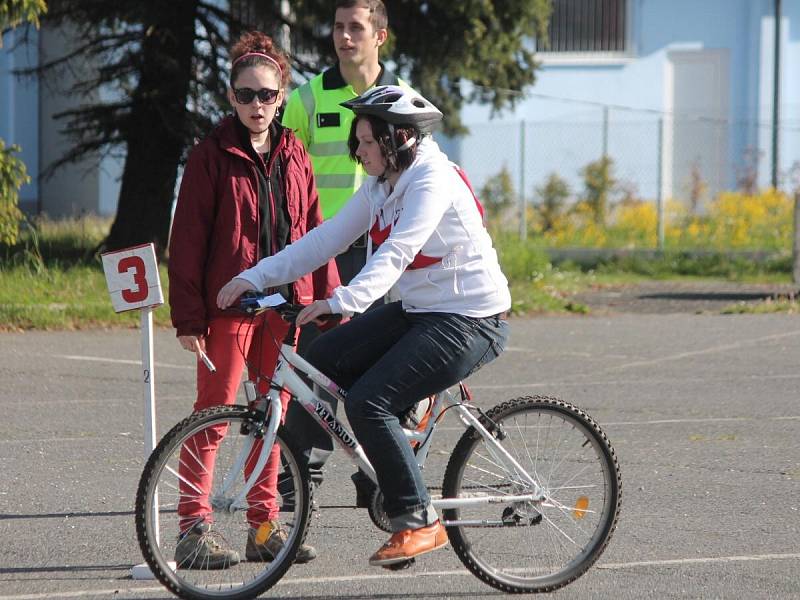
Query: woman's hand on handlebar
column 231, row 291
column 313, row 311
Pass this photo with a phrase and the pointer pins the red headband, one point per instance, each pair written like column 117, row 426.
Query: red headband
column 262, row 55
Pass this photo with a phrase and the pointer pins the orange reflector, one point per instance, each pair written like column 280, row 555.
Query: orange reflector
column 263, row 533
column 581, row 506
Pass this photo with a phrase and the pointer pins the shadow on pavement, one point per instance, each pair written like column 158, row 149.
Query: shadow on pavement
column 64, row 569
column 712, row 296
column 119, row 513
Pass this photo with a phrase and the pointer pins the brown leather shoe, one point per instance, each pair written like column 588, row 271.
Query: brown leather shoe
column 409, row 543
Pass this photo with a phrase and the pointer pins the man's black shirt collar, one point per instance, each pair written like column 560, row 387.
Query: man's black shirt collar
column 332, row 78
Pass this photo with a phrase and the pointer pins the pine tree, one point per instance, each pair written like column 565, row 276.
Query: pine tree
column 164, row 61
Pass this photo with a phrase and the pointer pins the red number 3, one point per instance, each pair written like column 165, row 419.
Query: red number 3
column 142, row 289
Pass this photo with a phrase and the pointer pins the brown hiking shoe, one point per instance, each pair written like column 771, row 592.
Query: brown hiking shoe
column 408, row 543
column 203, row 548
column 264, row 544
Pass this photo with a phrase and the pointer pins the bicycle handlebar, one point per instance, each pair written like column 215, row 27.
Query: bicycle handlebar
column 253, row 303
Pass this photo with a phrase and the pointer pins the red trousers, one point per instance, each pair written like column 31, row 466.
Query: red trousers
column 229, row 341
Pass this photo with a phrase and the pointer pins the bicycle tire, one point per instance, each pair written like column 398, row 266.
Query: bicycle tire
column 527, row 547
column 160, row 488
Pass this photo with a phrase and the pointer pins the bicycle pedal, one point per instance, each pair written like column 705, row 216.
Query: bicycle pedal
column 399, row 566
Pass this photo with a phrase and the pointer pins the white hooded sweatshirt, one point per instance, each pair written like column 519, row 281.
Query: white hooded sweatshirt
column 430, row 211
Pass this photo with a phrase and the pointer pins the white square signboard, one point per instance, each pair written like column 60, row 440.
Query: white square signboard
column 132, row 278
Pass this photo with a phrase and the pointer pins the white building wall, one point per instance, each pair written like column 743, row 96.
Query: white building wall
column 72, row 190
column 27, row 118
column 582, row 106
column 19, row 120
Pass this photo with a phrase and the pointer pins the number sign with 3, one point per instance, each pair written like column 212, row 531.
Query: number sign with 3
column 132, row 278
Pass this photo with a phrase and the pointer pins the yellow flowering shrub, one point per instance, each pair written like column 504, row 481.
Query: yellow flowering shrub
column 577, row 228
column 732, row 220
column 635, row 224
column 737, row 220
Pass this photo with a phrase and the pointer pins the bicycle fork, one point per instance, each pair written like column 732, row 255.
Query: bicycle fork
column 273, row 407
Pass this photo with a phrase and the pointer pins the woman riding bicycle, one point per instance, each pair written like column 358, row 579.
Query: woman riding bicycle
column 427, row 242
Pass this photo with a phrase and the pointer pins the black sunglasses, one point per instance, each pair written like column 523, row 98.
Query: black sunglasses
column 246, row 95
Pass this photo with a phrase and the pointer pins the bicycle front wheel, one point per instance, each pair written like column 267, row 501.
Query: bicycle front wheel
column 192, row 485
column 533, row 546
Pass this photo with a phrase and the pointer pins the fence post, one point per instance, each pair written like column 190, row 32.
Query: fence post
column 523, row 216
column 796, row 245
column 660, row 185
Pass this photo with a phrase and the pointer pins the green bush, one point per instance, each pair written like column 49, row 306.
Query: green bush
column 12, row 176
column 723, row 265
column 522, row 261
column 46, row 241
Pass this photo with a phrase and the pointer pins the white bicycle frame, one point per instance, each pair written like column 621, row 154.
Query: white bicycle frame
column 321, row 412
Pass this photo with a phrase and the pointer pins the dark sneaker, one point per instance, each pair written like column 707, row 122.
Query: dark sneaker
column 203, row 548
column 264, row 544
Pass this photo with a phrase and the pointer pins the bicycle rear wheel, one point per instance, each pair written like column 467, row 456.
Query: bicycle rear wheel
column 170, row 478
column 534, row 546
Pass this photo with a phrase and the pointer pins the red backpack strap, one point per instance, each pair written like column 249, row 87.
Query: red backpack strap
column 464, row 178
column 421, row 261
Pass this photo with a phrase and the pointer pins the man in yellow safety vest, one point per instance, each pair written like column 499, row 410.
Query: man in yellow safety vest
column 313, row 111
column 319, row 121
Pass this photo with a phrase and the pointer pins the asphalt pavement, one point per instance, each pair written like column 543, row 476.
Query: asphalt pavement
column 702, row 410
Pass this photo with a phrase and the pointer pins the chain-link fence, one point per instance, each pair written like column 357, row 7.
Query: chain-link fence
column 655, row 157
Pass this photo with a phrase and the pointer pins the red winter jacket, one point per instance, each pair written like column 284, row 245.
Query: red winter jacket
column 215, row 230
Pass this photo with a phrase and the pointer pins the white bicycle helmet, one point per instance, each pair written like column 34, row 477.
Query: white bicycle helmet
column 396, row 106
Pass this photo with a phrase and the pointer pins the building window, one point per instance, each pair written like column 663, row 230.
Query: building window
column 587, row 26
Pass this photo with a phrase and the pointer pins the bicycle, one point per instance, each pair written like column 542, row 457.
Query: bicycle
column 530, row 496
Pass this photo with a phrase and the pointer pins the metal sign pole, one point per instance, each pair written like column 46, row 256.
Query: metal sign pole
column 149, row 383
column 142, row 571
column 134, row 284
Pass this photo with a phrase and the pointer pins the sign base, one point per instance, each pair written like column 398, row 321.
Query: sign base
column 142, row 572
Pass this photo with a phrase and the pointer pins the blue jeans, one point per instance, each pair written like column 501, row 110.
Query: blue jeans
column 387, row 360
column 315, row 445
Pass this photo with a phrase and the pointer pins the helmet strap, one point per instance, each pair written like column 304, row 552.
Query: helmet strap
column 408, row 144
column 391, row 137
column 392, row 158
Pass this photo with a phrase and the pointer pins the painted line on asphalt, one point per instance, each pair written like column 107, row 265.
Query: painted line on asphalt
column 695, row 561
column 104, row 401
column 110, row 592
column 507, row 385
column 663, row 422
column 118, row 361
column 702, row 420
column 605, row 382
column 440, row 428
column 710, row 350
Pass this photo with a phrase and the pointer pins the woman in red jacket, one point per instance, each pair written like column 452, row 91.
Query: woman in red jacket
column 247, row 192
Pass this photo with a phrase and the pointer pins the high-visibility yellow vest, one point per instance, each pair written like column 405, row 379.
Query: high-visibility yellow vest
column 313, row 111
